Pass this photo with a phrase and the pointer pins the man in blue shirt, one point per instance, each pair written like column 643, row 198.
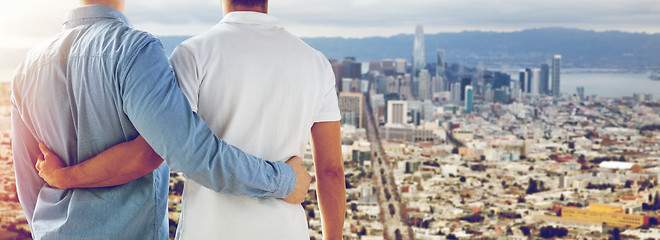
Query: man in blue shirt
column 99, row 83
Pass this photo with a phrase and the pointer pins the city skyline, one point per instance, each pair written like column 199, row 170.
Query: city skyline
column 24, row 25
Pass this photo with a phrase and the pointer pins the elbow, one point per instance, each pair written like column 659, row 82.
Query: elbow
column 149, row 162
column 331, row 173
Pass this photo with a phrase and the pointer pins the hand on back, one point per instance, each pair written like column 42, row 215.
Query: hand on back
column 303, row 180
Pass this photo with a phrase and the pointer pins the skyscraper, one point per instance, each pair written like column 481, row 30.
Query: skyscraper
column 418, row 51
column 351, row 106
column 465, row 81
column 388, row 67
column 528, row 80
column 522, row 78
column 424, row 85
column 544, row 79
column 440, row 64
column 353, row 71
column 468, row 99
column 400, row 65
column 534, row 80
column 456, row 93
column 556, row 71
column 580, row 92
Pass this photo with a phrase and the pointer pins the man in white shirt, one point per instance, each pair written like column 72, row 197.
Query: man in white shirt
column 259, row 87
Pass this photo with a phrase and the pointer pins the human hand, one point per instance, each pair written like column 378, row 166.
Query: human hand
column 303, row 180
column 50, row 167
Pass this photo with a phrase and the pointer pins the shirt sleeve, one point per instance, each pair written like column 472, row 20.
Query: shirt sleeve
column 160, row 112
column 329, row 110
column 185, row 68
column 26, row 150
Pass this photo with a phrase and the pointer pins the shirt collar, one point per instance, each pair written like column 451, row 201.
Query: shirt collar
column 92, row 13
column 247, row 17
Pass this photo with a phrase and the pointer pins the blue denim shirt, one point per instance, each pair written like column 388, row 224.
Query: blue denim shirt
column 99, row 83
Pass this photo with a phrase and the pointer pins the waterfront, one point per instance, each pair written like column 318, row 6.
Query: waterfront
column 602, row 84
column 610, row 84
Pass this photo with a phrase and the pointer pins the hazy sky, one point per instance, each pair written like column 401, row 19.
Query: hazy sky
column 23, row 23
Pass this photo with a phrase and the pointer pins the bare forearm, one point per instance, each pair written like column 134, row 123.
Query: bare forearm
column 117, row 165
column 332, row 203
column 326, row 142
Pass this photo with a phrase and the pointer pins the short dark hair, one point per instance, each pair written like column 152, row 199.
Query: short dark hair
column 250, row 3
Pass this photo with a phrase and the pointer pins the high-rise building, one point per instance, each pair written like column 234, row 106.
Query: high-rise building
column 501, row 95
column 419, row 60
column 580, row 92
column 456, row 93
column 440, row 64
column 556, row 72
column 351, row 106
column 465, row 81
column 437, row 84
column 375, row 65
column 392, row 85
column 400, row 65
column 424, row 86
column 534, row 86
column 338, row 69
column 528, row 80
column 501, row 80
column 468, row 99
column 352, row 71
column 388, row 67
column 515, row 89
column 522, row 79
column 544, row 79
column 397, row 112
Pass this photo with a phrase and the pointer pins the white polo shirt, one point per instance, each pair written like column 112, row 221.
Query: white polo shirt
column 261, row 89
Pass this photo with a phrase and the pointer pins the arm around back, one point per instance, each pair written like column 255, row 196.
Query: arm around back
column 160, row 112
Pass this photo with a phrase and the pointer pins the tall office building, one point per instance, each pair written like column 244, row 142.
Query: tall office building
column 528, row 80
column 437, row 84
column 351, row 106
column 338, row 69
column 501, row 80
column 353, row 71
column 515, row 89
column 465, row 81
column 468, row 99
column 397, row 112
column 580, row 92
column 440, row 63
column 400, row 65
column 379, row 82
column 419, row 60
column 544, row 79
column 522, row 79
column 534, row 80
column 556, row 71
column 388, row 67
column 424, row 86
column 456, row 93
column 375, row 65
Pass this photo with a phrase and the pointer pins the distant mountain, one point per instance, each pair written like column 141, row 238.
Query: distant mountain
column 579, row 48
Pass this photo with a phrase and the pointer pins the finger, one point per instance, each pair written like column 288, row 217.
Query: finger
column 40, row 161
column 44, row 149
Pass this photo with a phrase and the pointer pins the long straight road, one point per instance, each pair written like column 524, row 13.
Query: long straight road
column 394, row 219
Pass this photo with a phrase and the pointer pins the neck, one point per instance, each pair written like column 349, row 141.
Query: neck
column 228, row 7
column 116, row 4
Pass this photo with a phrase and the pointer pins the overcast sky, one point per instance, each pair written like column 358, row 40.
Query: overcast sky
column 23, row 23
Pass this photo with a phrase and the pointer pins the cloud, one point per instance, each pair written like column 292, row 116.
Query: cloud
column 22, row 24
